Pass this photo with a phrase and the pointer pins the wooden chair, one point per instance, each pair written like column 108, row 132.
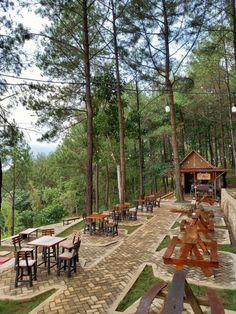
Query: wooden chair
column 17, row 242
column 89, row 224
column 68, row 259
column 179, row 293
column 70, row 245
column 48, row 232
column 111, row 227
column 25, row 267
column 133, row 214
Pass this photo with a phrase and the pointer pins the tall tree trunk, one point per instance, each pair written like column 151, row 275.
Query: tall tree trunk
column 119, row 181
column 178, row 186
column 229, row 110
column 107, row 188
column 89, row 157
column 13, row 196
column 97, row 188
column 140, row 146
column 210, row 147
column 119, row 105
column 234, row 28
column 0, row 184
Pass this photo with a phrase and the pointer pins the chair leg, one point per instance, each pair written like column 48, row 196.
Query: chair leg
column 17, row 277
column 35, row 272
column 30, row 276
column 58, row 266
column 69, row 268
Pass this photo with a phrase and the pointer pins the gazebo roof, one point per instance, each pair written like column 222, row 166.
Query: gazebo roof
column 195, row 161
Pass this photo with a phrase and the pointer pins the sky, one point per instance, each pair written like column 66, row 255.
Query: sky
column 25, row 118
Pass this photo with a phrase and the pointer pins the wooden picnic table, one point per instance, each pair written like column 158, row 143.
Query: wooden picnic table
column 190, row 254
column 27, row 232
column 47, row 242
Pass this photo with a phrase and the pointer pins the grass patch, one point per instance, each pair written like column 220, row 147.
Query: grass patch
column 141, row 285
column 23, row 307
column 175, row 225
column 227, row 248
column 68, row 231
column 164, row 243
column 130, row 229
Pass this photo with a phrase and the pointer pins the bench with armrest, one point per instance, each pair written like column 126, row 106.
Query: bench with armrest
column 67, row 220
column 190, row 254
column 179, row 293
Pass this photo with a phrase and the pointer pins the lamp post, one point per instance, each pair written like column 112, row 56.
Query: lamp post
column 167, row 107
column 233, row 109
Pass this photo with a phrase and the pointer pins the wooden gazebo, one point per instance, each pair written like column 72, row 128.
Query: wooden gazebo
column 195, row 170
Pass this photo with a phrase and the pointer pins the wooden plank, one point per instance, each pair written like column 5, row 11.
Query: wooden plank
column 214, row 252
column 146, row 300
column 215, row 302
column 192, row 299
column 189, row 262
column 175, row 297
column 171, row 247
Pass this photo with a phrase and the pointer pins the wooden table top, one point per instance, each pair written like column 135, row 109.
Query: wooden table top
column 28, row 231
column 122, row 206
column 97, row 216
column 47, row 241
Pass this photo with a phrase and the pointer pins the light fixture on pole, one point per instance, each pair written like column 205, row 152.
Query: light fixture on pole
column 167, row 107
column 233, row 109
column 82, row 103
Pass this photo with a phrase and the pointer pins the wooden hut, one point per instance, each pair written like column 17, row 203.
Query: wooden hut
column 198, row 173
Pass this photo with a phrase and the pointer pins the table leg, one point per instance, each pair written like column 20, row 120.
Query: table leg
column 48, row 260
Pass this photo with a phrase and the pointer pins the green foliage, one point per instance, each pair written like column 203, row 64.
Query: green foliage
column 24, row 220
column 50, row 214
column 23, row 307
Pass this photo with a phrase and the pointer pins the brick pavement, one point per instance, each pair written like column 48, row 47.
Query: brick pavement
column 107, row 271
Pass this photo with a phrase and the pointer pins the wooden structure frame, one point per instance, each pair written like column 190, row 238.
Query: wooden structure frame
column 192, row 252
column 199, row 169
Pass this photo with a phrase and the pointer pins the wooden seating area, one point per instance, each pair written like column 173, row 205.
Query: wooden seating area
column 179, row 293
column 193, row 250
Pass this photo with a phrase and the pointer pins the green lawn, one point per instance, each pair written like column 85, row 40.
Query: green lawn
column 68, row 231
column 130, row 229
column 23, row 307
column 141, row 285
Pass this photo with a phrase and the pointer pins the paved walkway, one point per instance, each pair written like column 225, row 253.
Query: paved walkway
column 109, row 267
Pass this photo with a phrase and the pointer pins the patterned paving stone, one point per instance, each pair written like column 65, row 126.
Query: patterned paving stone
column 109, row 266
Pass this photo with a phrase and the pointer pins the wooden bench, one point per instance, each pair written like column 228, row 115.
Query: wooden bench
column 179, row 293
column 190, row 254
column 67, row 220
